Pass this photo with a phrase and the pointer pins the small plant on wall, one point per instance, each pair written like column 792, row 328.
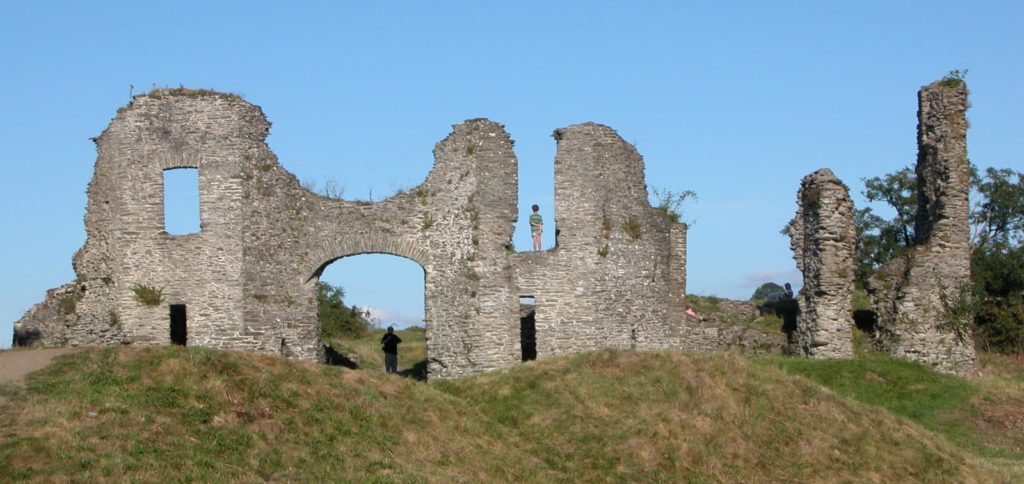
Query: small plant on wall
column 632, row 228
column 148, row 295
column 955, row 78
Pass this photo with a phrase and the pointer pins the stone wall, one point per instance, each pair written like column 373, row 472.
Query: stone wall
column 610, row 280
column 916, row 297
column 822, row 239
column 248, row 278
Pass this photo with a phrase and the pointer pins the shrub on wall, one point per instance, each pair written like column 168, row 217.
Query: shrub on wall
column 148, row 295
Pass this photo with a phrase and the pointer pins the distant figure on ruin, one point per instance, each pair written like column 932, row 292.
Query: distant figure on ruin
column 778, row 302
column 690, row 312
column 536, row 227
column 389, row 343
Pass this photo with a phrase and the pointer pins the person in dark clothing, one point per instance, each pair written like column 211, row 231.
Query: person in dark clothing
column 389, row 343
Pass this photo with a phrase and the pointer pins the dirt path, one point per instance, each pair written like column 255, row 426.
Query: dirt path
column 15, row 364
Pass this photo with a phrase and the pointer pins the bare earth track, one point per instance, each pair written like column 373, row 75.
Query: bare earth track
column 15, row 364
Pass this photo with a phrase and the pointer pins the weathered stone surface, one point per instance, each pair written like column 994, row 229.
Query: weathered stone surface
column 916, row 296
column 822, row 238
column 43, row 324
column 248, row 278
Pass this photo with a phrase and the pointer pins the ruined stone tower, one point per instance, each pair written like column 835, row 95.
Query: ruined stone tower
column 822, row 239
column 247, row 279
column 917, row 297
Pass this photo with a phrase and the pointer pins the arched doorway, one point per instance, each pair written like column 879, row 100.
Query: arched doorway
column 359, row 296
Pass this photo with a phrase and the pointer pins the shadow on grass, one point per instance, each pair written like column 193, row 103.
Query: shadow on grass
column 333, row 358
column 417, row 372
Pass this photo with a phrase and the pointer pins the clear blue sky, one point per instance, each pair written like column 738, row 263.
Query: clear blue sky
column 736, row 101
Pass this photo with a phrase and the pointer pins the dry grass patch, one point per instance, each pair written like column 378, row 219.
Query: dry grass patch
column 664, row 416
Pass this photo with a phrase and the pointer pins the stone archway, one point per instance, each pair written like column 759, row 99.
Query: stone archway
column 336, row 249
column 387, row 290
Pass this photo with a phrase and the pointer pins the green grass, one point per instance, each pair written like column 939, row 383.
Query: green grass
column 703, row 304
column 861, row 301
column 183, row 414
column 948, row 405
column 157, row 414
column 412, row 352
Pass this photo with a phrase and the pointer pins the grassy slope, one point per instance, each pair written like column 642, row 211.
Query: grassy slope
column 160, row 413
column 176, row 413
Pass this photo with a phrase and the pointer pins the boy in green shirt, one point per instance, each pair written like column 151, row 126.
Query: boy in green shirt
column 536, row 228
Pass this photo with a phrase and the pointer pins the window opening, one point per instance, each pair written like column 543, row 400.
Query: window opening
column 181, row 201
column 179, row 325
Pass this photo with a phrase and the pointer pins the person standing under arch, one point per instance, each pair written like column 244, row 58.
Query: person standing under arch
column 389, row 343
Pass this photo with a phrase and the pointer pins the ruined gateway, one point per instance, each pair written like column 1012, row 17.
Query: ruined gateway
column 247, row 279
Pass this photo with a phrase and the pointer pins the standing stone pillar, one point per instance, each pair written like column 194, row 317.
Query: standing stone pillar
column 822, row 239
column 919, row 298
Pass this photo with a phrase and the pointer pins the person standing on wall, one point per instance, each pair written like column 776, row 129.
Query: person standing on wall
column 389, row 343
column 536, row 227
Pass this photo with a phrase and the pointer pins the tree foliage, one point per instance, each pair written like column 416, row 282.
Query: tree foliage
column 998, row 215
column 997, row 240
column 766, row 290
column 878, row 239
column 998, row 276
column 336, row 319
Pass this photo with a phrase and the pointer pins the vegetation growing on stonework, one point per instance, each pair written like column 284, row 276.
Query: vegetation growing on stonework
column 670, row 203
column 632, row 228
column 148, row 295
column 955, row 78
column 330, row 189
column 70, row 301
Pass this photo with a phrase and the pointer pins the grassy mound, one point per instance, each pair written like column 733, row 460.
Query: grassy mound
column 196, row 414
column 156, row 414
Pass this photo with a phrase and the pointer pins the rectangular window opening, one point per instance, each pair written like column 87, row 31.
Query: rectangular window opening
column 528, row 327
column 181, row 201
column 179, row 325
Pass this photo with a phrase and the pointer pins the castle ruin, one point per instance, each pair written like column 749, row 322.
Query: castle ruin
column 822, row 238
column 247, row 279
column 920, row 299
column 616, row 278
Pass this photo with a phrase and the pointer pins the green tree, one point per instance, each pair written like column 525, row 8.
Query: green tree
column 997, row 239
column 766, row 290
column 997, row 261
column 336, row 319
column 998, row 216
column 879, row 240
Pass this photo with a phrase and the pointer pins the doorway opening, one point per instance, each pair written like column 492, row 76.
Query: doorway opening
column 528, row 327
column 179, row 325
